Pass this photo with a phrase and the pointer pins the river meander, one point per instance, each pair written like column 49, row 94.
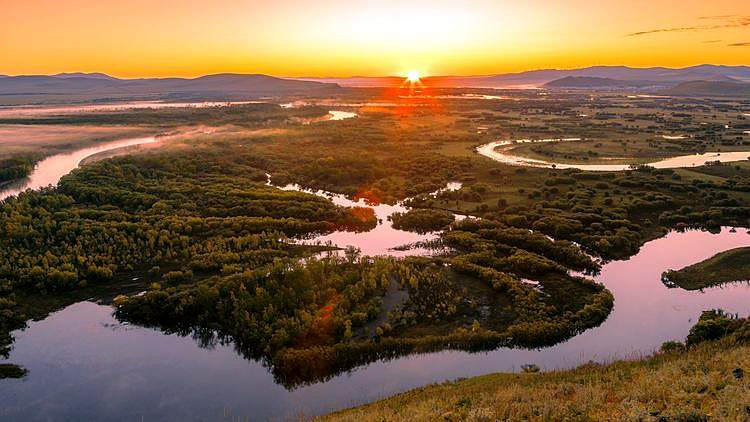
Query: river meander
column 86, row 365
column 501, row 151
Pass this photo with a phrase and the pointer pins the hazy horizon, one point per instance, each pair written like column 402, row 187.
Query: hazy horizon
column 145, row 76
column 344, row 39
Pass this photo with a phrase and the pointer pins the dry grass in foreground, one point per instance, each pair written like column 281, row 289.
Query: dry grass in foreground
column 700, row 384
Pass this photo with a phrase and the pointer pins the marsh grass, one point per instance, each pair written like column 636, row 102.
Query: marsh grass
column 687, row 386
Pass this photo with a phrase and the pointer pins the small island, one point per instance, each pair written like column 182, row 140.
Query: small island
column 423, row 220
column 726, row 267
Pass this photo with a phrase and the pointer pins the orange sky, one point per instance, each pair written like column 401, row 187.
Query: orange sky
column 343, row 38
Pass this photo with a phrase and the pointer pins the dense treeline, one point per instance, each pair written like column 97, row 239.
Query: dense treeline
column 285, row 304
column 422, row 220
column 118, row 215
column 608, row 214
column 303, row 320
column 17, row 167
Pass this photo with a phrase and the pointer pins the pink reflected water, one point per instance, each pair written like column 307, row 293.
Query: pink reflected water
column 384, row 238
column 86, row 365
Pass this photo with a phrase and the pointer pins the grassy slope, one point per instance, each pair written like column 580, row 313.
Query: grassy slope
column 725, row 267
column 692, row 385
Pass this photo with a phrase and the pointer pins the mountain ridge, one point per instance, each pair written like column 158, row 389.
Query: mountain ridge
column 536, row 78
column 709, row 89
column 99, row 85
column 245, row 85
column 596, row 82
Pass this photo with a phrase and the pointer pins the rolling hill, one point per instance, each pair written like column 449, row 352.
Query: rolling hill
column 590, row 82
column 653, row 76
column 709, row 89
column 97, row 85
column 85, row 75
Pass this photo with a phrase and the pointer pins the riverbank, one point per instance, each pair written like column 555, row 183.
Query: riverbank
column 665, row 385
column 503, row 152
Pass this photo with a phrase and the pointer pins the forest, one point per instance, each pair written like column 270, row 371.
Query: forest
column 423, row 220
column 17, row 167
column 217, row 252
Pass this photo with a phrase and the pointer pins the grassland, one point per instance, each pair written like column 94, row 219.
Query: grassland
column 725, row 267
column 616, row 129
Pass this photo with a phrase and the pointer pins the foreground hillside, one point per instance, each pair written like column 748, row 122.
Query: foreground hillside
column 692, row 386
column 705, row 382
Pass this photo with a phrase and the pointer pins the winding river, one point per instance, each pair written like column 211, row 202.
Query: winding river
column 86, row 365
column 502, row 151
column 49, row 170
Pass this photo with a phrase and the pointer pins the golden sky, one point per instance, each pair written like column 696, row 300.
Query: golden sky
column 136, row 38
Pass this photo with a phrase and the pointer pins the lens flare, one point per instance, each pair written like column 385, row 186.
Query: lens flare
column 413, row 76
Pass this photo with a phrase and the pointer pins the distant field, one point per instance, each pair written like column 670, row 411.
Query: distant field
column 18, row 140
column 616, row 129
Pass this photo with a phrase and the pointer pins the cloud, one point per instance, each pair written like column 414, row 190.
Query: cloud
column 728, row 21
column 711, row 41
column 656, row 31
column 718, row 17
column 740, row 44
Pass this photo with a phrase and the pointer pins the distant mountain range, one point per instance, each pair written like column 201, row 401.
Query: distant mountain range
column 589, row 77
column 85, row 75
column 703, row 80
column 594, row 82
column 709, row 89
column 99, row 85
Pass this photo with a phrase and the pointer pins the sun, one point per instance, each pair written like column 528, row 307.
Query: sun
column 413, row 76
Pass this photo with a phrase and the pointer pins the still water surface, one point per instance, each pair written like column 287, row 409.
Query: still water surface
column 382, row 240
column 84, row 364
